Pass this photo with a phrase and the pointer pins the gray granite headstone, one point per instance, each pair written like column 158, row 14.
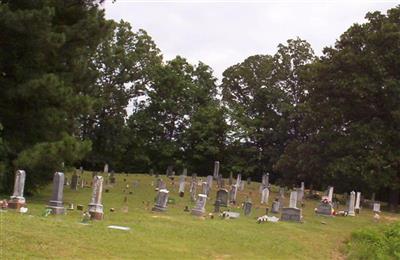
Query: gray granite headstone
column 95, row 205
column 17, row 200
column 216, row 170
column 199, row 210
column 275, row 206
column 74, row 181
column 247, row 208
column 56, row 201
column 161, row 201
column 222, row 196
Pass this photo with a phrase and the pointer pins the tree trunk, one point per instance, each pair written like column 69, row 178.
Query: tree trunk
column 394, row 199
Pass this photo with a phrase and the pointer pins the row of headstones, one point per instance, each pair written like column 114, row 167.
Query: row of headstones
column 326, row 206
column 55, row 204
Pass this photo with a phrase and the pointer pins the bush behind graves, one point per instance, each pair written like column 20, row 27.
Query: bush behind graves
column 375, row 243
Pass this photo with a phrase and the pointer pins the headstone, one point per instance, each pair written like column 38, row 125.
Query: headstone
column 325, row 207
column 232, row 194
column 222, row 196
column 248, row 180
column 377, row 207
column 161, row 201
column 151, row 172
column 74, row 182
column 216, row 170
column 181, row 185
column 168, row 172
column 300, row 193
column 205, row 188
column 105, row 168
column 264, row 196
column 81, row 170
column 293, row 199
column 95, row 206
column 330, row 193
column 220, row 181
column 247, row 208
column 17, row 200
column 56, row 203
column 193, row 188
column 292, row 213
column 209, row 182
column 242, row 185
column 275, row 206
column 238, row 179
column 358, row 199
column 184, row 173
column 200, row 209
column 351, row 204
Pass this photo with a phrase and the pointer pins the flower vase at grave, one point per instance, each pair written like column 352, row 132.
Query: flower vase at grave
column 95, row 206
column 17, row 200
column 56, row 203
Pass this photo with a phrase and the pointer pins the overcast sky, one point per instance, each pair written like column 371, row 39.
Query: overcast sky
column 223, row 33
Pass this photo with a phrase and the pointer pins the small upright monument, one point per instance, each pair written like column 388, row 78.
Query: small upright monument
column 358, row 200
column 56, row 202
column 200, row 208
column 105, row 170
column 161, row 201
column 17, row 200
column 95, row 206
column 326, row 207
column 216, row 170
column 292, row 213
column 351, row 204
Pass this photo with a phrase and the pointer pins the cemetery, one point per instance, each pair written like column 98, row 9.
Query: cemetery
column 198, row 129
column 149, row 220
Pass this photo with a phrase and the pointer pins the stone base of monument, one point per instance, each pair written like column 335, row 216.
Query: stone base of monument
column 157, row 208
column 16, row 203
column 351, row 214
column 291, row 214
column 96, row 215
column 96, row 211
column 198, row 212
column 56, row 207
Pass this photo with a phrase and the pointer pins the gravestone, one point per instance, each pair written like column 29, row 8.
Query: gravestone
column 220, row 181
column 242, row 185
column 161, row 201
column 200, row 209
column 17, row 200
column 95, row 206
column 325, row 207
column 222, row 196
column 376, row 207
column 168, row 172
column 151, row 172
column 81, row 170
column 300, row 193
column 351, row 204
column 264, row 182
column 209, row 182
column 275, row 206
column 184, row 173
column 357, row 205
column 216, row 170
column 105, row 168
column 264, row 196
column 193, row 188
column 205, row 188
column 248, row 180
column 247, row 208
column 232, row 194
column 292, row 213
column 181, row 185
column 74, row 182
column 238, row 180
column 56, row 202
column 330, row 193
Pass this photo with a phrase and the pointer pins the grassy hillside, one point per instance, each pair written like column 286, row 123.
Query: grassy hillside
column 174, row 234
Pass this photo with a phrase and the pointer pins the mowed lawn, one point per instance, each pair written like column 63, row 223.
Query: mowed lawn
column 174, row 234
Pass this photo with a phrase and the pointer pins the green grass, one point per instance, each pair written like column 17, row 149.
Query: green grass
column 174, row 234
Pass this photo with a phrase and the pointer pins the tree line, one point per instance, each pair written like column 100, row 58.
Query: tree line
column 78, row 89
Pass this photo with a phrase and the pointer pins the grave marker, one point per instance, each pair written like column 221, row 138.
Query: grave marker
column 199, row 210
column 95, row 206
column 56, row 202
column 17, row 200
column 161, row 201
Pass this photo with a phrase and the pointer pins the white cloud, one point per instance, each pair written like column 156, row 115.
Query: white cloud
column 224, row 33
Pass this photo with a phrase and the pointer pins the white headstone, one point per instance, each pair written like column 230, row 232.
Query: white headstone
column 351, row 204
column 358, row 198
column 330, row 193
column 264, row 196
column 293, row 199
